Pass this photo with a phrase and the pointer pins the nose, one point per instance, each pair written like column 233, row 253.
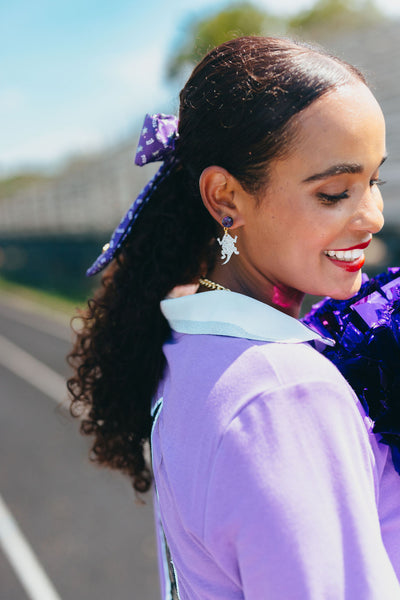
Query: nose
column 369, row 215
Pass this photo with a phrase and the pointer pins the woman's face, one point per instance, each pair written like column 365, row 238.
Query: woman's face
column 322, row 204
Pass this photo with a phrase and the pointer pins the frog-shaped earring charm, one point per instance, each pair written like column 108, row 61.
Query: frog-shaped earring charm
column 228, row 242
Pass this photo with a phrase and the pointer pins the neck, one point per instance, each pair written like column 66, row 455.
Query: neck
column 258, row 286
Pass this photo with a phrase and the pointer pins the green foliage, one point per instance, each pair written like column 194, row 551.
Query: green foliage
column 204, row 34
column 335, row 15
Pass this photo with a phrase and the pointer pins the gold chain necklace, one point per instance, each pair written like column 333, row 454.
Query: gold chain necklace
column 211, row 284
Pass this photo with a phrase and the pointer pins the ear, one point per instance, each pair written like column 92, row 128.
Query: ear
column 222, row 195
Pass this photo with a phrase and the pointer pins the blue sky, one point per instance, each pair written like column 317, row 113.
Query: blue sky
column 78, row 75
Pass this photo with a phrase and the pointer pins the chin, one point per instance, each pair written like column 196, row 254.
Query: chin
column 346, row 292
column 341, row 288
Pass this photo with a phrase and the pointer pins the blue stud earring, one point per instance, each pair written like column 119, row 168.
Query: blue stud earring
column 228, row 242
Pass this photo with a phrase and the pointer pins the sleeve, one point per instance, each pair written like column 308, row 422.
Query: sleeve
column 291, row 504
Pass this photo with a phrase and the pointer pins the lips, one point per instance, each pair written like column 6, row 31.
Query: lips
column 351, row 259
column 361, row 246
column 352, row 266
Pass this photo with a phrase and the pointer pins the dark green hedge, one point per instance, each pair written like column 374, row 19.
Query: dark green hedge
column 54, row 264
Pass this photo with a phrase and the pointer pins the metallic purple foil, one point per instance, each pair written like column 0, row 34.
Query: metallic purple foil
column 366, row 329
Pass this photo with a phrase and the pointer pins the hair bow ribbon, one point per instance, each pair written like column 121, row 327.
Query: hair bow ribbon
column 156, row 142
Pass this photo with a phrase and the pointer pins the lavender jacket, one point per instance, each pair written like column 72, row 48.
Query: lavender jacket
column 270, row 484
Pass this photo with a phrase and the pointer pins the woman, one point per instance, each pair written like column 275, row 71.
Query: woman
column 269, row 480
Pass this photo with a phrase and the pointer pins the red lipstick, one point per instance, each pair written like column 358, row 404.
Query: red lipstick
column 351, row 267
column 357, row 247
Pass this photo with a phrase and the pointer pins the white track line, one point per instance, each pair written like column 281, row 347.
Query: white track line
column 32, row 370
column 22, row 558
column 15, row 546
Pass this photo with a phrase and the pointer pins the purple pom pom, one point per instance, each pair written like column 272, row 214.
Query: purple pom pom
column 366, row 329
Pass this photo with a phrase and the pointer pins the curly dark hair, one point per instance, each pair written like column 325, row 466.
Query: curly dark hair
column 237, row 111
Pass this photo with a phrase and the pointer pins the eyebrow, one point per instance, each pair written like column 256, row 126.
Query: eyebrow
column 339, row 169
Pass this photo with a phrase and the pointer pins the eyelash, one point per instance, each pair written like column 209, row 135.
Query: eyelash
column 334, row 198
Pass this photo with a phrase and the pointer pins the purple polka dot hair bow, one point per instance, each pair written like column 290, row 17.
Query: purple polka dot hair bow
column 156, row 143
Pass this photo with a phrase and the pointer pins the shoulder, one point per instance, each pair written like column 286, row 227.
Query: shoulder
column 264, row 369
column 226, row 375
column 290, row 362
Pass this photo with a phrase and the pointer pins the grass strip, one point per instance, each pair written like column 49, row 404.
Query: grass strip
column 51, row 301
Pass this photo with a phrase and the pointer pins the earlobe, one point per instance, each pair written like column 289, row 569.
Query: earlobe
column 219, row 192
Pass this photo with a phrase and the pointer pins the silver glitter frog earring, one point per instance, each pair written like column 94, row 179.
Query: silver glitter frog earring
column 228, row 242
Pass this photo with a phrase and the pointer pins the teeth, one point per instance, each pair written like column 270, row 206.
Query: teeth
column 345, row 255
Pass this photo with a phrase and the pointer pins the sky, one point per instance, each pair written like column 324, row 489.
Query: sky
column 77, row 76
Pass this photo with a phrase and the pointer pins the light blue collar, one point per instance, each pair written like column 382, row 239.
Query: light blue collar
column 235, row 315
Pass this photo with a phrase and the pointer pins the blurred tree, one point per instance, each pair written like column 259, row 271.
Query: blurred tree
column 201, row 35
column 245, row 18
column 334, row 15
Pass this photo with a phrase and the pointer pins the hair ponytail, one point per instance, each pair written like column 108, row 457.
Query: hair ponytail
column 117, row 356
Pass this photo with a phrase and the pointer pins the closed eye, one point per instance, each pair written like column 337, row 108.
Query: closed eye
column 333, row 198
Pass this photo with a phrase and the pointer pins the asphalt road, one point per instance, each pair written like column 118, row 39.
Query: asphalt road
column 85, row 530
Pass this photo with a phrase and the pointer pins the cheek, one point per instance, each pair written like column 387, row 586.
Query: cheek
column 326, row 227
column 295, row 221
